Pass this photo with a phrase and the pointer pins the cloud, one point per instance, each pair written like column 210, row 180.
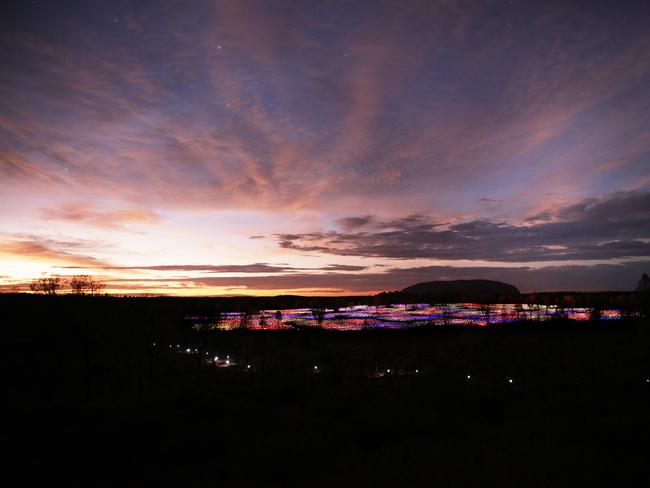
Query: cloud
column 353, row 223
column 208, row 268
column 342, row 267
column 101, row 217
column 265, row 268
column 50, row 250
column 603, row 277
column 257, row 107
column 613, row 227
column 351, row 128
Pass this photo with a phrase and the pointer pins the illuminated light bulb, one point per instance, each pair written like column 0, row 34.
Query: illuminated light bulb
column 417, row 370
column 216, row 358
column 315, row 367
column 469, row 377
column 248, row 366
column 188, row 349
column 227, row 361
column 509, row 380
column 388, row 370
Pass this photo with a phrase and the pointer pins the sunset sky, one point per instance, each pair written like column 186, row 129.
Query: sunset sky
column 324, row 147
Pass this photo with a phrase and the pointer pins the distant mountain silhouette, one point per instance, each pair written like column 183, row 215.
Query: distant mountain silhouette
column 465, row 288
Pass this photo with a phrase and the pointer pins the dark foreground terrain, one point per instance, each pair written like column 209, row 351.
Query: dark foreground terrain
column 96, row 394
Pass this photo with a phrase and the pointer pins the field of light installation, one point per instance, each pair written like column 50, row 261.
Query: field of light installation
column 401, row 316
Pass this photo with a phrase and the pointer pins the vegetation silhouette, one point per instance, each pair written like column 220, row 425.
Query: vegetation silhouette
column 49, row 285
column 85, row 285
column 519, row 404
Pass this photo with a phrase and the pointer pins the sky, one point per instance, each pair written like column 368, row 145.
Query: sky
column 235, row 147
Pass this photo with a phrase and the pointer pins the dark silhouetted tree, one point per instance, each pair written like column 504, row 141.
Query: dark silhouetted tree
column 85, row 285
column 486, row 308
column 319, row 315
column 446, row 314
column 595, row 313
column 643, row 290
column 644, row 284
column 278, row 318
column 520, row 313
column 47, row 284
column 245, row 319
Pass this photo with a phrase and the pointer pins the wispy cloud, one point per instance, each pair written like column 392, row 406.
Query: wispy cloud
column 50, row 251
column 101, row 217
column 264, row 268
column 370, row 130
column 600, row 277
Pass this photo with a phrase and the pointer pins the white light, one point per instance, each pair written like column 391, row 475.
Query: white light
column 227, row 361
column 509, row 380
column 188, row 349
column 469, row 377
column 216, row 358
column 248, row 366
column 388, row 370
column 315, row 367
column 227, row 357
column 417, row 370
